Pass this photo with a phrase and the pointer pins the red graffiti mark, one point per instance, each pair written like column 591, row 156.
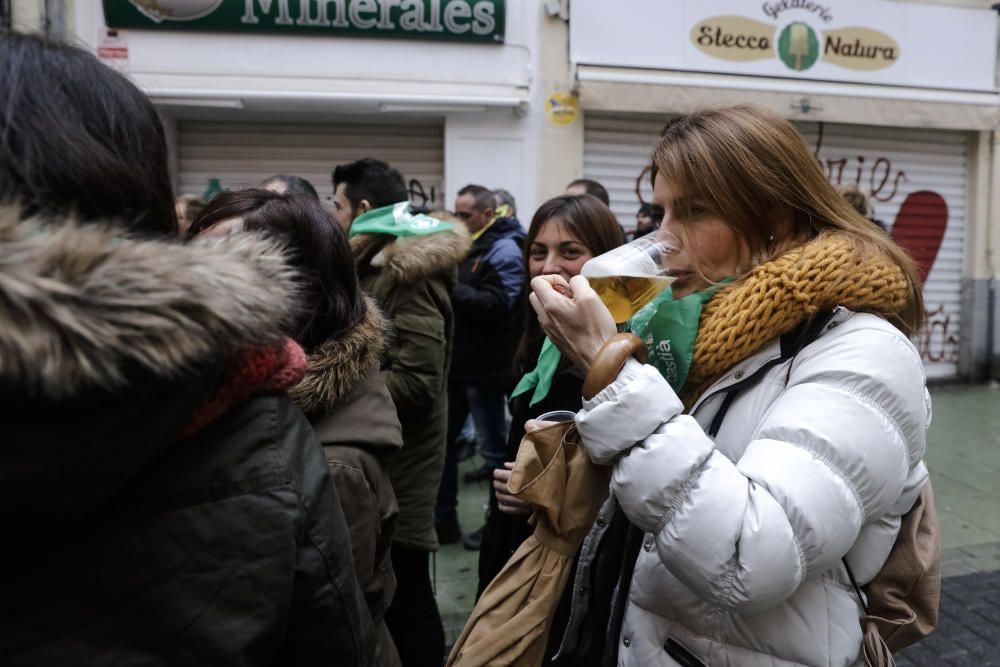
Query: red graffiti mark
column 880, row 175
column 839, row 166
column 900, row 176
column 920, row 226
column 938, row 341
column 883, row 184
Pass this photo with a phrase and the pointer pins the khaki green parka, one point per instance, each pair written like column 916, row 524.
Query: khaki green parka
column 411, row 279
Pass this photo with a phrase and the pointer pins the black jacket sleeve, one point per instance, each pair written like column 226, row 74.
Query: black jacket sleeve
column 486, row 302
column 328, row 622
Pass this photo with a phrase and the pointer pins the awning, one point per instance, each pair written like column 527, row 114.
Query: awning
column 657, row 91
column 269, row 93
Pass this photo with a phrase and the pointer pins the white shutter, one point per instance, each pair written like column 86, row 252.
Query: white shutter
column 892, row 163
column 616, row 149
column 243, row 154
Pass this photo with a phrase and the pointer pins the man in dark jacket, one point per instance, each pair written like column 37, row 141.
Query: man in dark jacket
column 487, row 326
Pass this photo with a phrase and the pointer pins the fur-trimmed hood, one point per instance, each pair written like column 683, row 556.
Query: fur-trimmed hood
column 338, row 366
column 83, row 305
column 415, row 258
column 344, row 394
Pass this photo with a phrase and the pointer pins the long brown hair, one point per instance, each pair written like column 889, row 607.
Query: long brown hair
column 592, row 223
column 755, row 172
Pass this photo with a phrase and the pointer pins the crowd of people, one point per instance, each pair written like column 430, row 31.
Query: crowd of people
column 233, row 427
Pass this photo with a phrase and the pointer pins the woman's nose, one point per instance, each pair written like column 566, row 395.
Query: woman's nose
column 551, row 265
column 671, row 232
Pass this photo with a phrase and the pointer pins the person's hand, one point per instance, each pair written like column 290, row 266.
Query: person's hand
column 508, row 504
column 573, row 317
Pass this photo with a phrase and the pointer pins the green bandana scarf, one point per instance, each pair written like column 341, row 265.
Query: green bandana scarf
column 540, row 379
column 398, row 221
column 669, row 329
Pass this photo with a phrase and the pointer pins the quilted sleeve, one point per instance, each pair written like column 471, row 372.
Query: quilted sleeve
column 833, row 452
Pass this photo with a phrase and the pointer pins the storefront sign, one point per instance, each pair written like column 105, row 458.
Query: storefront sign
column 799, row 46
column 459, row 20
column 864, row 41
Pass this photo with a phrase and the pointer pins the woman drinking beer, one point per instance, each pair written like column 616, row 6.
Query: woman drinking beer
column 793, row 440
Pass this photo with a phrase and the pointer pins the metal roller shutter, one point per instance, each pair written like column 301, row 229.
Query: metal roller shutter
column 918, row 179
column 243, row 154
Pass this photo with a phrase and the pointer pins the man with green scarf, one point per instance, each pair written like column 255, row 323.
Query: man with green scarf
column 409, row 265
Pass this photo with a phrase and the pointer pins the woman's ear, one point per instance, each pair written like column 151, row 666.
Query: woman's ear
column 784, row 225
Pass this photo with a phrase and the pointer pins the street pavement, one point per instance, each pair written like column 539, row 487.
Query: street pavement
column 963, row 455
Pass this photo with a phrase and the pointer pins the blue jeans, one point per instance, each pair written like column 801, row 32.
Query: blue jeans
column 487, row 404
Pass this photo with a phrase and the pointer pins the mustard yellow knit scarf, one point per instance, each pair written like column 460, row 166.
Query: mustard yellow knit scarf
column 776, row 296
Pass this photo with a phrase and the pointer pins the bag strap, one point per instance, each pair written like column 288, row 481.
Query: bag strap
column 792, row 343
column 876, row 651
column 854, row 582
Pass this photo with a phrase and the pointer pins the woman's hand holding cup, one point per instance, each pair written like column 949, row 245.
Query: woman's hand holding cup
column 578, row 323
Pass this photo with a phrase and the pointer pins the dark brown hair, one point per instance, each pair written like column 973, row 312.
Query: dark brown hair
column 592, row 223
column 593, row 188
column 754, row 171
column 77, row 137
column 318, row 247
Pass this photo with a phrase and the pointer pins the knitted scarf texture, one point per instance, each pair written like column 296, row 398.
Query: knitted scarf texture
column 257, row 372
column 778, row 295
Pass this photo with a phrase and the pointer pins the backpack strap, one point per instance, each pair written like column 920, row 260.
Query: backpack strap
column 854, row 582
column 792, row 343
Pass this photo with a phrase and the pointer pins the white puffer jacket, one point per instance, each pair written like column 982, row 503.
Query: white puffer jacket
column 741, row 562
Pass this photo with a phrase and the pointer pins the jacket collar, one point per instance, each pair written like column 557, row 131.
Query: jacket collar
column 498, row 229
column 754, row 362
column 338, row 366
column 413, row 258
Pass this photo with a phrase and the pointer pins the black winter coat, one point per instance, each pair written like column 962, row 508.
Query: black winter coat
column 126, row 543
column 231, row 548
column 487, row 325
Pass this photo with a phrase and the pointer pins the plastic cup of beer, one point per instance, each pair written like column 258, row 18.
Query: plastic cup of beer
column 631, row 275
column 557, row 416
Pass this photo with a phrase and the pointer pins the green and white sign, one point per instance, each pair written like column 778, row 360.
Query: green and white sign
column 900, row 43
column 442, row 20
column 798, row 46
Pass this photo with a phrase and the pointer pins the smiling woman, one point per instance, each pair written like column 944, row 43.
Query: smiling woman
column 564, row 233
column 557, row 250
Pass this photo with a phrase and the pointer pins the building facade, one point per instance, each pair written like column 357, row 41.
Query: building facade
column 897, row 98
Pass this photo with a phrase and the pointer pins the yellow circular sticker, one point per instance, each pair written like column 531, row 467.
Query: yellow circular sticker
column 562, row 108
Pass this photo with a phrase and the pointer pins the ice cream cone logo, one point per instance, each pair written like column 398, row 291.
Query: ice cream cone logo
column 175, row 10
column 798, row 46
